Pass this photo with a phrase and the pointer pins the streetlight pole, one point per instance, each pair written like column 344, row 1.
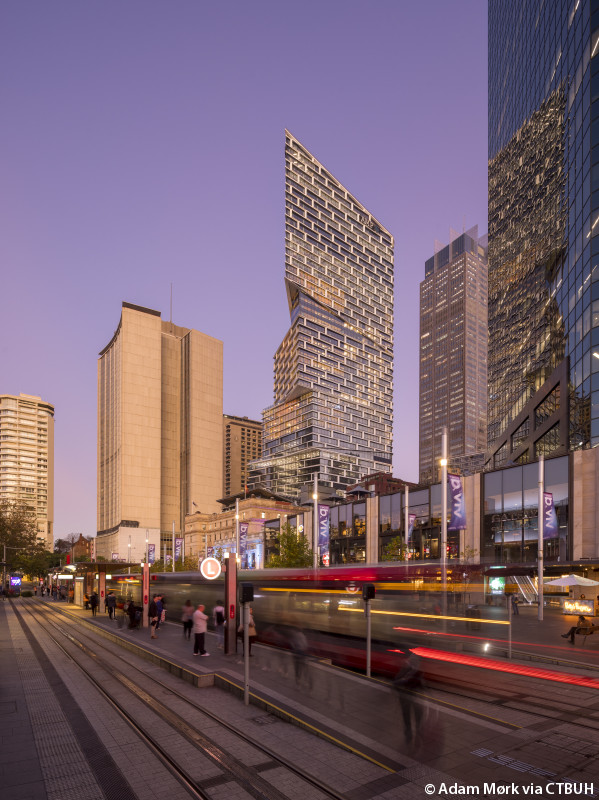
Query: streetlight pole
column 129, row 555
column 444, row 519
column 315, row 522
column 540, row 539
column 237, row 561
column 147, row 545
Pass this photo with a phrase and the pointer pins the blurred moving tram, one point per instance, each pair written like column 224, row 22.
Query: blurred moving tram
column 327, row 605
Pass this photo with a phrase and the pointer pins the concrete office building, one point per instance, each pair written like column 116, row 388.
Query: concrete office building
column 453, row 353
column 242, row 443
column 543, row 228
column 160, row 432
column 333, row 409
column 27, row 459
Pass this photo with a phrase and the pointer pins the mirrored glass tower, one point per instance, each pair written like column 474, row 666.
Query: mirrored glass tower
column 543, row 218
column 333, row 410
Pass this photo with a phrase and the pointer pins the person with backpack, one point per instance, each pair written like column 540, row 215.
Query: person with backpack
column 218, row 616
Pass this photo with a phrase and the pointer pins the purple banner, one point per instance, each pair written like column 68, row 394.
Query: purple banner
column 550, row 527
column 324, row 514
column 178, row 549
column 151, row 553
column 411, row 521
column 458, row 505
column 243, row 540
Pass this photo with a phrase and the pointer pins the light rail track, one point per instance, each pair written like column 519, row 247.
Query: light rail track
column 83, row 652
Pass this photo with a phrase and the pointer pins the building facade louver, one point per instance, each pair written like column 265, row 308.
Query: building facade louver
column 333, row 409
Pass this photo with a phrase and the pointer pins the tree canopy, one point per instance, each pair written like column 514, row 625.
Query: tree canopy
column 294, row 550
column 395, row 550
column 25, row 550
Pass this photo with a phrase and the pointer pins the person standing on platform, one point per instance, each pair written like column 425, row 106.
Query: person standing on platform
column 218, row 615
column 54, row 593
column 153, row 615
column 200, row 621
column 515, row 602
column 131, row 612
column 251, row 631
column 93, row 602
column 111, row 604
column 187, row 619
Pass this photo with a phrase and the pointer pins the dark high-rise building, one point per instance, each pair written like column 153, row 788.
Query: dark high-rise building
column 333, row 409
column 453, row 355
column 543, row 226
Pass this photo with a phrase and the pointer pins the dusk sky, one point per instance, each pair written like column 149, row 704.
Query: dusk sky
column 143, row 143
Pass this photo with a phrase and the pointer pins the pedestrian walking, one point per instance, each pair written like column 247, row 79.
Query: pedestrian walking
column 407, row 681
column 35, row 590
column 251, row 632
column 153, row 615
column 218, row 616
column 93, row 602
column 111, row 604
column 187, row 619
column 200, row 621
column 71, row 595
column 54, row 593
column 515, row 602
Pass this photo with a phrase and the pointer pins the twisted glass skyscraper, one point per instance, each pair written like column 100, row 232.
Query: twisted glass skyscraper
column 333, row 409
column 543, row 218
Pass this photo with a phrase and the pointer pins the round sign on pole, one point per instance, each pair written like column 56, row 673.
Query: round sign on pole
column 210, row 568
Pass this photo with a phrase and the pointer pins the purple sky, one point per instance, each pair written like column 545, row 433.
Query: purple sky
column 143, row 143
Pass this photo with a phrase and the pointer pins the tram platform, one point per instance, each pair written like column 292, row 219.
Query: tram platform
column 461, row 741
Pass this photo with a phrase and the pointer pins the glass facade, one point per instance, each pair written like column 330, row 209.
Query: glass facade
column 544, row 210
column 510, row 517
column 334, row 369
column 453, row 354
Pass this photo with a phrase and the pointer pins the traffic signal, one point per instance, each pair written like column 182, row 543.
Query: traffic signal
column 247, row 592
column 368, row 591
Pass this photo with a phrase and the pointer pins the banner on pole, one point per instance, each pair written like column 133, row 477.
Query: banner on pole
column 458, row 505
column 178, row 549
column 151, row 553
column 243, row 540
column 550, row 527
column 411, row 521
column 324, row 516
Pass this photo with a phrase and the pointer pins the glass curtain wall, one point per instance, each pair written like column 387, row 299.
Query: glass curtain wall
column 510, row 516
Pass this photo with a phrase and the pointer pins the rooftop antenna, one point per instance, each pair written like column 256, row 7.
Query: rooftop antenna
column 171, row 302
column 464, row 224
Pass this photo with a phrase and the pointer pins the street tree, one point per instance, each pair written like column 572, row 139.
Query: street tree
column 294, row 550
column 18, row 534
column 395, row 550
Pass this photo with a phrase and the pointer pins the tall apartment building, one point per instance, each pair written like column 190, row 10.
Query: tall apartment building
column 333, row 409
column 160, row 432
column 453, row 352
column 543, row 226
column 242, row 443
column 27, row 459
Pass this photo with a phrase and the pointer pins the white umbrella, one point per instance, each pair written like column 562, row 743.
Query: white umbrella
column 572, row 580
